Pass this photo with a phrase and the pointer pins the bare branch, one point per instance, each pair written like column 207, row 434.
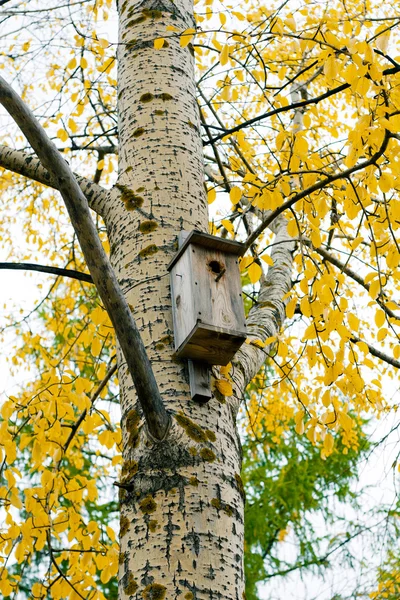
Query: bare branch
column 29, row 166
column 139, row 366
column 45, row 269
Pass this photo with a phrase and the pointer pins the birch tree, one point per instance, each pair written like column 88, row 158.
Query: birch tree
column 292, row 126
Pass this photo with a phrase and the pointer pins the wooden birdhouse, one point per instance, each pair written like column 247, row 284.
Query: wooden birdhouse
column 207, row 304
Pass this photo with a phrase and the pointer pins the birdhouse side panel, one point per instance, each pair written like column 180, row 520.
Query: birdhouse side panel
column 218, row 291
column 183, row 299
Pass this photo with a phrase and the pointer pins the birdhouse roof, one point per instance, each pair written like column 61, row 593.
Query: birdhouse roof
column 208, row 241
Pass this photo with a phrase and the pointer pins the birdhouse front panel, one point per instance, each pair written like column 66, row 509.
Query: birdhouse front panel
column 209, row 320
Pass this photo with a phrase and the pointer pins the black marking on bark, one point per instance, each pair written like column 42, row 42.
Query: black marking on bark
column 170, row 528
column 124, row 526
column 211, row 573
column 137, row 21
column 193, row 541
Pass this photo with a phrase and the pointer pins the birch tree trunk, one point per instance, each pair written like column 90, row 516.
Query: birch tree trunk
column 181, row 500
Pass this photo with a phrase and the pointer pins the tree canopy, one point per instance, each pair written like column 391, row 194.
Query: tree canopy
column 300, row 113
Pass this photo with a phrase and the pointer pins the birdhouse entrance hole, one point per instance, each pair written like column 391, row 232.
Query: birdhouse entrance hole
column 215, row 267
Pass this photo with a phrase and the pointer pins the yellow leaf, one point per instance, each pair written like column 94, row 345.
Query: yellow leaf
column 300, row 427
column 374, row 288
column 267, row 259
column 72, row 125
column 62, row 135
column 290, row 308
column 211, row 195
column 385, row 182
column 382, row 333
column 326, row 398
column 225, row 369
column 72, row 63
column 353, row 321
column 330, row 68
column 224, row 387
column 238, row 15
column 328, row 443
column 222, row 18
column 224, row 55
column 235, row 194
column 228, row 226
column 186, row 37
column 107, row 65
column 25, row 46
column 292, row 228
column 96, row 346
column 159, row 43
column 380, row 318
column 254, row 272
column 83, row 63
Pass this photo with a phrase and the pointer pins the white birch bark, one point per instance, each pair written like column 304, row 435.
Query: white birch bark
column 182, row 500
column 29, row 166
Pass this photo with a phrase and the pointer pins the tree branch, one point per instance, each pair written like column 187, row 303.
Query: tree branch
column 45, row 269
column 352, row 274
column 96, row 394
column 139, row 367
column 315, row 187
column 265, row 319
column 293, row 106
column 29, row 166
column 377, row 353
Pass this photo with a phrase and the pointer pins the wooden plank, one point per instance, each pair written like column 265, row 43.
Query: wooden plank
column 200, row 381
column 218, row 299
column 208, row 241
column 183, row 285
column 213, row 345
column 183, row 300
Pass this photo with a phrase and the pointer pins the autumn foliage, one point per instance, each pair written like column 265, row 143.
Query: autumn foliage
column 300, row 107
